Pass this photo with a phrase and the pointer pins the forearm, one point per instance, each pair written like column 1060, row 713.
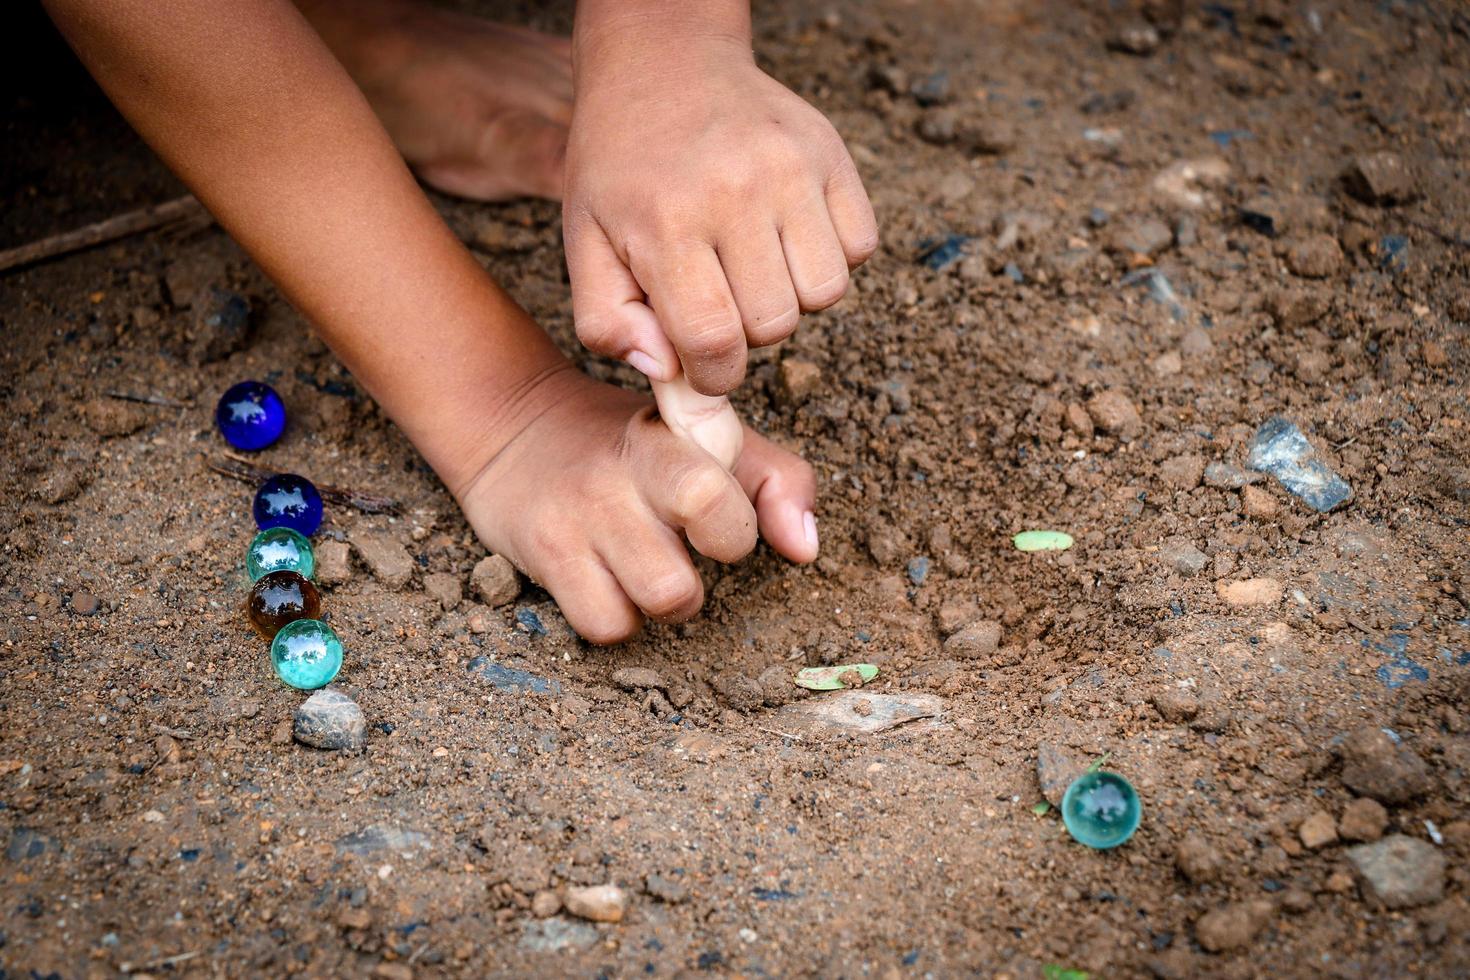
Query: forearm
column 249, row 108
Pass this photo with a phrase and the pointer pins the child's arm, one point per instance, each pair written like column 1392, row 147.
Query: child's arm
column 706, row 205
column 247, row 106
column 572, row 480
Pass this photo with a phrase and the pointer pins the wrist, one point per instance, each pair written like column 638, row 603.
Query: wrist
column 657, row 35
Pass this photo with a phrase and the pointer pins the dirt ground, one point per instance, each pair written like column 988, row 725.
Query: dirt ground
column 1034, row 372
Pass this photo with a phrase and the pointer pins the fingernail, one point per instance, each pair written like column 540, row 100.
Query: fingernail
column 647, row 365
column 809, row 523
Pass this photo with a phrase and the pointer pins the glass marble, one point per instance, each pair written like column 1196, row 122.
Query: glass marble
column 278, row 598
column 306, row 654
column 1101, row 810
column 250, row 416
column 279, row 549
column 288, row 500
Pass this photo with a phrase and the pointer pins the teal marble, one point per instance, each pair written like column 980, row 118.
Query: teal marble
column 306, row 654
column 1101, row 810
column 279, row 549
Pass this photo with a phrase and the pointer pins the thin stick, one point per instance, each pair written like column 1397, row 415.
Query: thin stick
column 101, row 232
column 247, row 472
column 146, row 399
column 772, row 731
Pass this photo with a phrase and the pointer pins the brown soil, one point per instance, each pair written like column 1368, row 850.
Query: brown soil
column 158, row 819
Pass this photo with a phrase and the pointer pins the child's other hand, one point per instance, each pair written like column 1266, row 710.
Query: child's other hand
column 706, row 205
column 594, row 497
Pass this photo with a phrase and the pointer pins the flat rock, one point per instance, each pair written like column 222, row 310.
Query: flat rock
column 511, row 678
column 1374, row 765
column 639, row 679
column 742, row 693
column 1283, row 450
column 383, row 837
column 861, row 711
column 495, row 581
column 329, row 719
column 385, row 557
column 1401, row 872
column 555, row 934
column 333, row 562
column 1227, row 476
column 599, row 903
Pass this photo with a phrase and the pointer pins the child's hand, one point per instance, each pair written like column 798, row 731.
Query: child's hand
column 593, row 497
column 706, row 205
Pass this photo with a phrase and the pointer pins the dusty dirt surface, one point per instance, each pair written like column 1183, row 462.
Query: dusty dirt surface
column 1173, row 227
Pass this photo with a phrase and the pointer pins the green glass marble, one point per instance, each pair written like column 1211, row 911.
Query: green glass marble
column 306, row 654
column 279, row 549
column 1101, row 810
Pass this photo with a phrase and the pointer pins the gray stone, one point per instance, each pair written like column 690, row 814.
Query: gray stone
column 1401, row 872
column 1227, row 476
column 1142, row 236
column 382, row 837
column 862, row 712
column 1281, row 449
column 554, row 934
column 665, row 889
column 329, row 719
column 512, row 678
column 385, row 556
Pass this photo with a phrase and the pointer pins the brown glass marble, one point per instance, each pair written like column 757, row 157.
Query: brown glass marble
column 280, row 598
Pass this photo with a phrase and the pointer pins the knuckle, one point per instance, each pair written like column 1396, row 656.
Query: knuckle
column 822, row 294
column 676, row 595
column 712, row 334
column 598, row 332
column 700, row 494
column 762, row 332
column 862, row 247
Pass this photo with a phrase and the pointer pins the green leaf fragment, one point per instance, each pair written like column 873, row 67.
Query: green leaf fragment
column 1100, row 761
column 1043, row 541
column 1041, row 809
column 835, row 678
column 1052, row 971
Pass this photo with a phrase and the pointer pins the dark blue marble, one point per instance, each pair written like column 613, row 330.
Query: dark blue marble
column 250, row 416
column 288, row 500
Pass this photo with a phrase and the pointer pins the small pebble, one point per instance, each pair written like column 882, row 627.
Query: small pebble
column 1318, row 830
column 978, row 640
column 85, row 603
column 599, row 903
column 330, row 720
column 799, row 380
column 638, row 679
column 1250, row 592
column 1197, row 859
column 1113, row 413
column 1364, row 820
column 1315, row 257
column 495, row 581
column 1401, row 872
column 1380, row 178
column 445, row 587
